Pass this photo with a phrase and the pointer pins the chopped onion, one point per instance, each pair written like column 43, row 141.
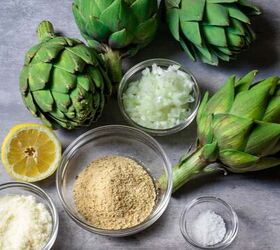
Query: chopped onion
column 160, row 98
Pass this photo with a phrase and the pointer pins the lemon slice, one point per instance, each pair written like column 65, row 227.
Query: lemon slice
column 31, row 152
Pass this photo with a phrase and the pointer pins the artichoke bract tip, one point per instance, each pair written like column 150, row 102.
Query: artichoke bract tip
column 45, row 30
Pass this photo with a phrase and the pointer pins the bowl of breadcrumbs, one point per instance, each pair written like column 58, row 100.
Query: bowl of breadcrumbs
column 108, row 180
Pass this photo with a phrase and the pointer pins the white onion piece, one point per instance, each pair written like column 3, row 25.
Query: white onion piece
column 160, row 98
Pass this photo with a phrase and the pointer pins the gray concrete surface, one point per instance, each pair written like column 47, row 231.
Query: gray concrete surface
column 255, row 197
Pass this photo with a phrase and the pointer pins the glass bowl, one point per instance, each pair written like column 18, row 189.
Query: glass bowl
column 22, row 188
column 135, row 74
column 113, row 140
column 220, row 207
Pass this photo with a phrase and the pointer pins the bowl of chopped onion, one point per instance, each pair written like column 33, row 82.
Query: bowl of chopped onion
column 159, row 96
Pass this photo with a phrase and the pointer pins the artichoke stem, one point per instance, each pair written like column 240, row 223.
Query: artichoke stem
column 45, row 30
column 113, row 64
column 187, row 169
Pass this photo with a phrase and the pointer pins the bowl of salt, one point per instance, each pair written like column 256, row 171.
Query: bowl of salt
column 209, row 223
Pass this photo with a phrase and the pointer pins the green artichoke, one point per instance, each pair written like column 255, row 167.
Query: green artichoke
column 63, row 81
column 238, row 127
column 211, row 30
column 116, row 28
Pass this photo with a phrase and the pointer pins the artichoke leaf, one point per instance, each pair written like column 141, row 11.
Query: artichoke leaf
column 231, row 131
column 191, row 30
column 192, row 10
column 23, row 81
column 85, row 82
column 245, row 82
column 212, row 61
column 97, row 29
column 47, row 122
column 78, row 94
column 263, row 163
column 252, row 103
column 31, row 53
column 83, row 52
column 62, row 101
column 238, row 14
column 173, row 21
column 210, row 152
column 47, row 53
column 216, row 14
column 205, row 52
column 222, row 55
column 44, row 100
column 236, row 27
column 113, row 14
column 103, row 4
column 97, row 78
column 143, row 9
column 120, row 39
column 224, row 50
column 215, row 35
column 144, row 31
column 263, row 138
column 222, row 100
column 70, row 62
column 188, row 49
column 30, row 104
column 57, row 41
column 202, row 106
column 62, row 81
column 272, row 113
column 39, row 75
column 235, row 159
column 78, row 18
column 235, row 40
column 204, row 129
column 250, row 8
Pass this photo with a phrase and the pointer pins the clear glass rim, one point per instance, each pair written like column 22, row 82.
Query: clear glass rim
column 85, row 138
column 161, row 62
column 40, row 192
column 226, row 241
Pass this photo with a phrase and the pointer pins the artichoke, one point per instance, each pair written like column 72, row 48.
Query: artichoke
column 63, row 81
column 116, row 28
column 211, row 30
column 239, row 127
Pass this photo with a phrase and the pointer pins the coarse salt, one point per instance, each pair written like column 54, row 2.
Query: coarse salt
column 208, row 228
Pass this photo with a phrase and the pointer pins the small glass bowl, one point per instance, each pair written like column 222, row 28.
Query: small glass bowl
column 21, row 188
column 113, row 140
column 220, row 207
column 135, row 73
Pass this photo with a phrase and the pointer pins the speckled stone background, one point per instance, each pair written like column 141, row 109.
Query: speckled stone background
column 255, row 197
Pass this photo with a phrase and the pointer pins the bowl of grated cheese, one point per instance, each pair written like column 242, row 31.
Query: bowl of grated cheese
column 29, row 219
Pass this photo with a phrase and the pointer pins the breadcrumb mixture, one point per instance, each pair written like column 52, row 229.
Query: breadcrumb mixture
column 115, row 192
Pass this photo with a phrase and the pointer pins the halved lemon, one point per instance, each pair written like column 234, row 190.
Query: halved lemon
column 31, row 152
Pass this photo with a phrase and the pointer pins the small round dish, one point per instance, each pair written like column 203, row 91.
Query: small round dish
column 220, row 207
column 135, row 73
column 113, row 140
column 21, row 188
